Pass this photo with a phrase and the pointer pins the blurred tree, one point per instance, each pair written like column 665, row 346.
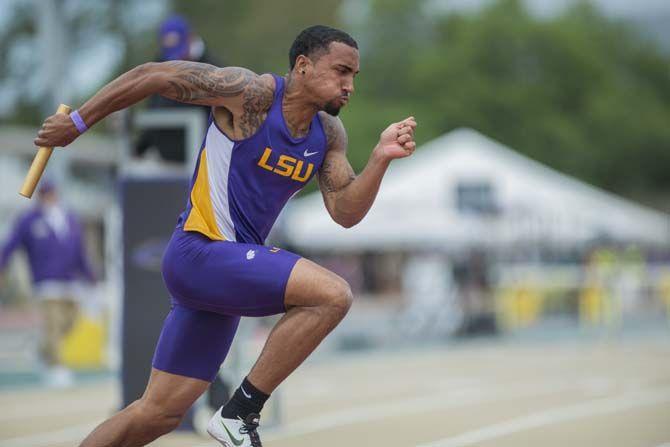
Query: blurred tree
column 579, row 92
column 92, row 41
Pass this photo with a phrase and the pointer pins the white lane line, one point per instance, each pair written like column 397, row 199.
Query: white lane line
column 382, row 411
column 460, row 398
column 74, row 408
column 453, row 399
column 65, row 435
column 555, row 416
column 443, row 401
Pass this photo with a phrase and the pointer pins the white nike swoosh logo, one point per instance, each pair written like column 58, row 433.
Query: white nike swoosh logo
column 248, row 396
column 308, row 154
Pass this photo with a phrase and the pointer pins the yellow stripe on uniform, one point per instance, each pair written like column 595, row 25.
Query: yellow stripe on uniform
column 201, row 218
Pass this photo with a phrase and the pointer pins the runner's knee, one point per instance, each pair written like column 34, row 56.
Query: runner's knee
column 155, row 418
column 339, row 298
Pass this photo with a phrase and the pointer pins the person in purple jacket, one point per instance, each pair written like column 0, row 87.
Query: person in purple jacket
column 51, row 237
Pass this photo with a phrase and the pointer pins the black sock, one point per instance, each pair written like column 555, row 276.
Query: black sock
column 247, row 399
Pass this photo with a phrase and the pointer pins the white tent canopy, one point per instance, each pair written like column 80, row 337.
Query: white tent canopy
column 423, row 203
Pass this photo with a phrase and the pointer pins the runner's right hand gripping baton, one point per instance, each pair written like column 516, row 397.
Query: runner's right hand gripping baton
column 39, row 163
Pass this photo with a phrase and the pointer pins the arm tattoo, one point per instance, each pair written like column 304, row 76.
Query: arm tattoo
column 197, row 82
column 193, row 81
column 334, row 178
column 257, row 101
column 335, row 174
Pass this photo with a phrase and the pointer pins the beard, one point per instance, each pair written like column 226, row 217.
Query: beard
column 331, row 108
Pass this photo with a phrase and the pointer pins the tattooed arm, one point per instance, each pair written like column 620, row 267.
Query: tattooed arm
column 348, row 197
column 244, row 93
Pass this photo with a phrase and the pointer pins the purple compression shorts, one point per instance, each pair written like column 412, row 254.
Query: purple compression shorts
column 213, row 284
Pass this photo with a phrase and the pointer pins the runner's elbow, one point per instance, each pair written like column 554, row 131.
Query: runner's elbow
column 347, row 221
column 151, row 75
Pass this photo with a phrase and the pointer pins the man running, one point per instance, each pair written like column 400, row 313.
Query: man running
column 268, row 136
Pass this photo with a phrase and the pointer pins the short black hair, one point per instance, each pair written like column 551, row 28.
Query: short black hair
column 315, row 39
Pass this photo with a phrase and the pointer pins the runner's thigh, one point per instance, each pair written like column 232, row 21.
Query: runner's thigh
column 312, row 285
column 229, row 278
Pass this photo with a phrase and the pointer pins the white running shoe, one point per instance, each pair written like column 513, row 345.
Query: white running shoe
column 235, row 432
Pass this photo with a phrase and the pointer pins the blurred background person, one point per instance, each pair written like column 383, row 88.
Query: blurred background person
column 177, row 41
column 52, row 239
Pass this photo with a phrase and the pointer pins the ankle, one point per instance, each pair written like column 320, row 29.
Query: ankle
column 246, row 400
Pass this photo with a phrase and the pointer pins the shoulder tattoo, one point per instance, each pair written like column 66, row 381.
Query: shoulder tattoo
column 193, row 81
column 257, row 100
column 335, row 135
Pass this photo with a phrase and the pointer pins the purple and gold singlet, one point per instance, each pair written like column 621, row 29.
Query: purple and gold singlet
column 240, row 186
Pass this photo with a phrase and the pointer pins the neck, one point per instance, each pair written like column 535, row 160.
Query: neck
column 297, row 109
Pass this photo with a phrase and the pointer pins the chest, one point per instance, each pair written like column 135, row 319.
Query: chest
column 298, row 165
column 277, row 158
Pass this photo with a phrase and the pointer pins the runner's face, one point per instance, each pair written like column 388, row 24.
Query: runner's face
column 332, row 80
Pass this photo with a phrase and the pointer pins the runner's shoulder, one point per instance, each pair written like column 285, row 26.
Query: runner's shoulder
column 336, row 134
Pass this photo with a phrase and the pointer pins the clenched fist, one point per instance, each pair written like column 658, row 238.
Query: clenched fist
column 397, row 140
column 57, row 130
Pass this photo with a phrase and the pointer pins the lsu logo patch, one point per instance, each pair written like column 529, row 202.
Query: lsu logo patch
column 286, row 166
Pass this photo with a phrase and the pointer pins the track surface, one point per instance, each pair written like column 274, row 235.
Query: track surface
column 502, row 395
